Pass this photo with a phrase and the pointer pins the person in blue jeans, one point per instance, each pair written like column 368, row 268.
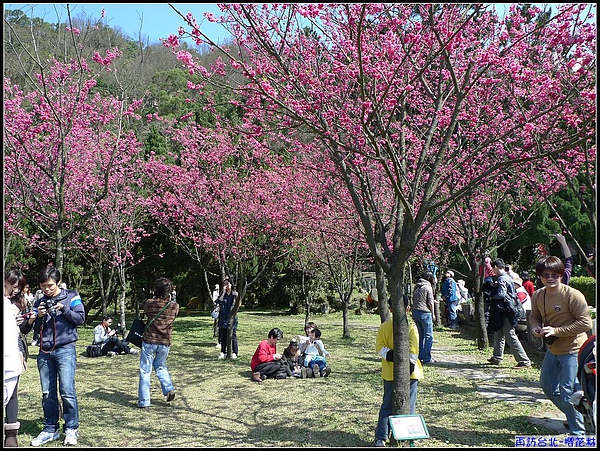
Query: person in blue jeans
column 160, row 312
column 423, row 314
column 60, row 311
column 314, row 354
column 560, row 315
column 384, row 345
column 450, row 296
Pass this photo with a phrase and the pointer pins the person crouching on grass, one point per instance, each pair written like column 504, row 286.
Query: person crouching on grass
column 266, row 362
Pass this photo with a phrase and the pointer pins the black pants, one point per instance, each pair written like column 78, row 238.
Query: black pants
column 116, row 345
column 271, row 369
column 223, row 340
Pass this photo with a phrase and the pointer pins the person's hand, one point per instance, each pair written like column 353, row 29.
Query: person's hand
column 19, row 318
column 277, row 356
column 537, row 331
column 560, row 238
column 548, row 331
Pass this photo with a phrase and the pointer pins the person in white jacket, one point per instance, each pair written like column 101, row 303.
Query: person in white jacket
column 13, row 366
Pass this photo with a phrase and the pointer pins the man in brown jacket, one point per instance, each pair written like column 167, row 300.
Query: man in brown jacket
column 160, row 312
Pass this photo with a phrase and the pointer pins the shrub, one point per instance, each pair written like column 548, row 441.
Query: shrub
column 587, row 285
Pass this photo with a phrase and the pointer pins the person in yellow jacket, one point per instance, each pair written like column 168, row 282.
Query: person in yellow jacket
column 385, row 348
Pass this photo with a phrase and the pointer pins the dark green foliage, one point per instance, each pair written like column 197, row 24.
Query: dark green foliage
column 587, row 285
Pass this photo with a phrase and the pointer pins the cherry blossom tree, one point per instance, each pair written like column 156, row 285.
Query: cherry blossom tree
column 224, row 196
column 384, row 89
column 62, row 141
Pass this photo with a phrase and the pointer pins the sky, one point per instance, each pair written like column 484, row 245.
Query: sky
column 158, row 20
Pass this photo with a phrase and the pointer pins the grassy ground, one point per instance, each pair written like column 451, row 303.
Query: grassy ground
column 217, row 405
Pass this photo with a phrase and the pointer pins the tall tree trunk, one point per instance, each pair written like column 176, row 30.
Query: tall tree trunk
column 401, row 389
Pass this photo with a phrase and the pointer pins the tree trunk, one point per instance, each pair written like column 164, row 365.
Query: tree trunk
column 401, row 388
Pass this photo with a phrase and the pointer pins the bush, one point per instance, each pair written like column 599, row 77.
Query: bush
column 587, row 285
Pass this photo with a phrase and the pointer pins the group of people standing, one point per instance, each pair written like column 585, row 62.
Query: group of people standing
column 559, row 315
column 55, row 317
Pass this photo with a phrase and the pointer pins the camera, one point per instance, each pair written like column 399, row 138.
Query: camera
column 120, row 330
column 51, row 307
column 549, row 339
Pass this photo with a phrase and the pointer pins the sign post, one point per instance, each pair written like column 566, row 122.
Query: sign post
column 408, row 427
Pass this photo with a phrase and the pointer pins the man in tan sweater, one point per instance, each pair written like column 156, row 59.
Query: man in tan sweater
column 560, row 315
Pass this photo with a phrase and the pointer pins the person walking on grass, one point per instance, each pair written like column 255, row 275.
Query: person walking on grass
column 560, row 315
column 156, row 343
column 503, row 319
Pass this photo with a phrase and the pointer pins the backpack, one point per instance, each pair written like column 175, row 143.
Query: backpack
column 94, row 351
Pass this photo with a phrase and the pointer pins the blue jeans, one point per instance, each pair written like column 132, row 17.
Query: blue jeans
column 60, row 364
column 318, row 360
column 452, row 313
column 153, row 356
column 424, row 323
column 558, row 377
column 383, row 424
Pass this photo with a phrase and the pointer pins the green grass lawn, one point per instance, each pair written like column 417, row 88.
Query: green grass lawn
column 217, row 405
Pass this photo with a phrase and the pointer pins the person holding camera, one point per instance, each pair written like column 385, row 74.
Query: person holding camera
column 560, row 315
column 108, row 338
column 503, row 318
column 60, row 311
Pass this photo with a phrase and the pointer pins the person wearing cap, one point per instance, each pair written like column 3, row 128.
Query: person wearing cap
column 521, row 292
column 503, row 320
column 450, row 296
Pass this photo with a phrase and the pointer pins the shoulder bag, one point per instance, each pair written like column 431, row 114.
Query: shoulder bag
column 136, row 333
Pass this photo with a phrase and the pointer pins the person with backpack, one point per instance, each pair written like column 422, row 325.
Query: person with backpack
column 59, row 312
column 504, row 318
column 423, row 314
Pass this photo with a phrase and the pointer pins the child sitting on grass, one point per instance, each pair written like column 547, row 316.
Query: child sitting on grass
column 314, row 353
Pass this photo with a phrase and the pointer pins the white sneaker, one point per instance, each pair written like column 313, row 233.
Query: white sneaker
column 133, row 351
column 234, row 356
column 221, row 356
column 110, row 354
column 45, row 437
column 71, row 436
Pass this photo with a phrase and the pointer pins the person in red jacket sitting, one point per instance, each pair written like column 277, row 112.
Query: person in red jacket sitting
column 266, row 361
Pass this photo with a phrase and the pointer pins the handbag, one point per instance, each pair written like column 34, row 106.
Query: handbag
column 215, row 313
column 136, row 333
